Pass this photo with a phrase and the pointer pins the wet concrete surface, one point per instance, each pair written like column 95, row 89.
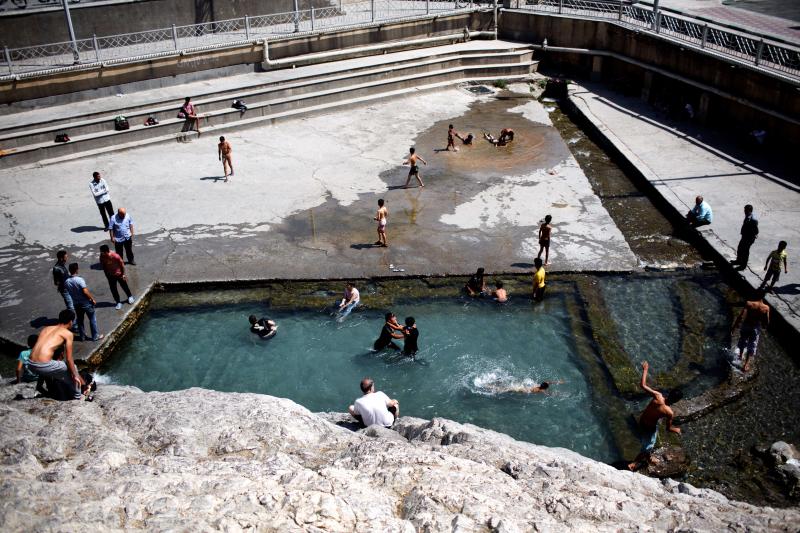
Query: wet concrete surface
column 304, row 210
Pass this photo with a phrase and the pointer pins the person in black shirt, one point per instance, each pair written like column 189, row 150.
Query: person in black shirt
column 263, row 327
column 410, row 334
column 60, row 275
column 749, row 233
column 476, row 285
column 388, row 332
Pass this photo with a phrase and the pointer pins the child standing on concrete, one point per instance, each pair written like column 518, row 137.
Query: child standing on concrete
column 544, row 239
column 773, row 266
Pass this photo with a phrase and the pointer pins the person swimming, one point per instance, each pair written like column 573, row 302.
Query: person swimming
column 523, row 389
column 499, row 293
column 263, row 327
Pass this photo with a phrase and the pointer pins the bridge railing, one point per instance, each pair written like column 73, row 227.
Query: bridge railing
column 36, row 60
column 740, row 44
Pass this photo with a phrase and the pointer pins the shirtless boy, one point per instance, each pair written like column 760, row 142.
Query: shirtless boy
column 657, row 409
column 754, row 317
column 50, row 340
column 544, row 239
column 536, row 389
column 381, row 217
column 224, row 150
column 500, row 293
column 451, row 138
column 414, row 170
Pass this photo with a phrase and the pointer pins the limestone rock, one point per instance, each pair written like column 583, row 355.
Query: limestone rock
column 667, row 461
column 202, row 460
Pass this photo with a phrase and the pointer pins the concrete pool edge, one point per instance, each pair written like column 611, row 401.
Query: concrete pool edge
column 644, row 178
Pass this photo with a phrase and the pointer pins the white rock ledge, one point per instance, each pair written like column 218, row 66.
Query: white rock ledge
column 200, row 460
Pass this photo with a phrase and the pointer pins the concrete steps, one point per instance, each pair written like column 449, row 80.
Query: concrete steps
column 274, row 96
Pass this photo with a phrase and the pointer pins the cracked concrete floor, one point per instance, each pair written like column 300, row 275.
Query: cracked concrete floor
column 301, row 205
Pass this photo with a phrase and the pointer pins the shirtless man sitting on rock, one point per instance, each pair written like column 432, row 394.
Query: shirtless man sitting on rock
column 51, row 339
column 657, row 409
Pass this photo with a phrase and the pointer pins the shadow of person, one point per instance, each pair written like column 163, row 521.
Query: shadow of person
column 790, row 288
column 352, row 426
column 42, row 321
column 522, row 265
column 86, row 229
column 98, row 305
column 362, row 246
column 96, row 266
column 214, row 178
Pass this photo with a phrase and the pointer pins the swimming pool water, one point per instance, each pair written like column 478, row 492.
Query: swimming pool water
column 465, row 348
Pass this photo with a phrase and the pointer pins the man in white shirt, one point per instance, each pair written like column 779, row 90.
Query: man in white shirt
column 99, row 189
column 351, row 299
column 374, row 407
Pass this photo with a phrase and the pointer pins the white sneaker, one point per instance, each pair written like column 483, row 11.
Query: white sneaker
column 119, row 306
column 130, row 299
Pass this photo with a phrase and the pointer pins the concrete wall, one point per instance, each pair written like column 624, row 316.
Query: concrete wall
column 664, row 73
column 41, row 27
column 172, row 70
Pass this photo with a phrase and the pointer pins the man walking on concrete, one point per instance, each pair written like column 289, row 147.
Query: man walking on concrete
column 120, row 227
column 84, row 302
column 114, row 268
column 99, row 189
column 60, row 275
column 749, row 234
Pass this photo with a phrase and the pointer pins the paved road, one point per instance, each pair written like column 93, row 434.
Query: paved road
column 683, row 160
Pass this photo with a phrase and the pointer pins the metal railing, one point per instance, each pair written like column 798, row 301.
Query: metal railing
column 35, row 60
column 749, row 47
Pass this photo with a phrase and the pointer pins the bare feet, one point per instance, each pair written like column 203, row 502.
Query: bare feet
column 632, row 467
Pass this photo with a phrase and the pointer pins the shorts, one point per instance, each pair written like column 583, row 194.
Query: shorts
column 544, row 242
column 774, row 275
column 648, row 438
column 413, row 170
column 56, row 370
column 538, row 293
column 748, row 340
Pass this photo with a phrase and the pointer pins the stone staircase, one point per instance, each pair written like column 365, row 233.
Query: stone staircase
column 321, row 85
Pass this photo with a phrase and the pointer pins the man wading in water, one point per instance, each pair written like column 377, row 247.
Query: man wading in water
column 657, row 409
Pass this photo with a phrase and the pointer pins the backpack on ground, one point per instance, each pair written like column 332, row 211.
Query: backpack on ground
column 62, row 137
column 121, row 123
column 240, row 105
column 151, row 121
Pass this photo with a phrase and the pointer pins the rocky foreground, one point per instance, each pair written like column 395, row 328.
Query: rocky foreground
column 200, row 460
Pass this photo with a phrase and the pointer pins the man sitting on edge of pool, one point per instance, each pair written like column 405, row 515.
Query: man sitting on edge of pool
column 374, row 407
column 658, row 408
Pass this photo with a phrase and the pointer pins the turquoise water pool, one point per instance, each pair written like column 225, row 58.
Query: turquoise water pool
column 468, row 349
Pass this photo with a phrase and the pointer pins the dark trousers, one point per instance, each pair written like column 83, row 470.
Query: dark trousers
column 106, row 211
column 128, row 246
column 112, row 284
column 743, row 251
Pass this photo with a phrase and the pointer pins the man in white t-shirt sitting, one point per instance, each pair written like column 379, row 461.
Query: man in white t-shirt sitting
column 374, row 407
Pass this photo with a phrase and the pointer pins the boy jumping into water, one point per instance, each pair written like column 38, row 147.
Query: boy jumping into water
column 544, row 239
column 381, row 216
column 657, row 409
column 414, row 170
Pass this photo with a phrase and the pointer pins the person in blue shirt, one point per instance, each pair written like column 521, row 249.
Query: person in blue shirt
column 120, row 227
column 25, row 374
column 700, row 214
